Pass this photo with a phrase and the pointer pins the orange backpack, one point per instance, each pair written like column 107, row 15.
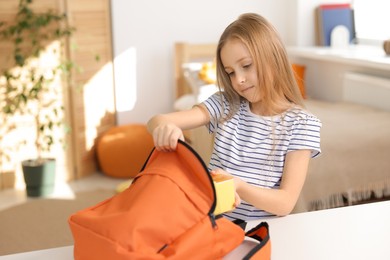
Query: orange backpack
column 166, row 213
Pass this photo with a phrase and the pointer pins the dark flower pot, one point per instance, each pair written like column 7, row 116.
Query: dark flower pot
column 39, row 177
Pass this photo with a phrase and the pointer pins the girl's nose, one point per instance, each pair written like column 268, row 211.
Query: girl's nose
column 241, row 79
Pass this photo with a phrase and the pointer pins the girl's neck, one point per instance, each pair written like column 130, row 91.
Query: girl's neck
column 259, row 108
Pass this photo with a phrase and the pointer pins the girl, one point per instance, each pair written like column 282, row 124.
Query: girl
column 263, row 135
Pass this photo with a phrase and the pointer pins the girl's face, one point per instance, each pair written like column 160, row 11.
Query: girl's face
column 241, row 69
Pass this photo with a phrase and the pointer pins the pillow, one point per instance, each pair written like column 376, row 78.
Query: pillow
column 208, row 72
column 299, row 74
column 185, row 102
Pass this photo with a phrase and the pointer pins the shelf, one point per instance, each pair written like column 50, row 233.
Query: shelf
column 356, row 55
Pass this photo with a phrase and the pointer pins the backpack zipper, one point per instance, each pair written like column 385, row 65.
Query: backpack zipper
column 212, row 209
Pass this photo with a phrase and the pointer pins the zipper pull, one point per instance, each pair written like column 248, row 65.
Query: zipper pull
column 212, row 220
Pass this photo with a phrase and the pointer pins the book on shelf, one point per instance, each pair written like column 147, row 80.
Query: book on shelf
column 328, row 16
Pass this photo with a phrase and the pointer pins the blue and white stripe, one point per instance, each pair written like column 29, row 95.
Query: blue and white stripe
column 254, row 147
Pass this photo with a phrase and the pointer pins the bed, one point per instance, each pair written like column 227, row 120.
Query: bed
column 354, row 166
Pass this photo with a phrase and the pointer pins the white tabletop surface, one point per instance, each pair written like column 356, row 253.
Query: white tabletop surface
column 59, row 253
column 356, row 232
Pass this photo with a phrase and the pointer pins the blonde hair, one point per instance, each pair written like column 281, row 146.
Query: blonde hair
column 278, row 87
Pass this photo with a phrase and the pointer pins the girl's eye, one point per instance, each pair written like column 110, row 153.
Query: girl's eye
column 230, row 74
column 247, row 66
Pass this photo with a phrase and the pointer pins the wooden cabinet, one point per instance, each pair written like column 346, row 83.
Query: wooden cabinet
column 185, row 53
column 91, row 94
column 203, row 142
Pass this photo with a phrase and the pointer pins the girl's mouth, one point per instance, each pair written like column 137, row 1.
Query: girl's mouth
column 246, row 89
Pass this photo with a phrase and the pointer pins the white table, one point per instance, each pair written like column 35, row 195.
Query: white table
column 356, row 232
column 59, row 253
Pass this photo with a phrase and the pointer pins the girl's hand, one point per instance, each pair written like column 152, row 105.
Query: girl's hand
column 237, row 200
column 217, row 171
column 166, row 137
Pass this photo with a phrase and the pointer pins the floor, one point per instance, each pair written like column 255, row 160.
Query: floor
column 13, row 197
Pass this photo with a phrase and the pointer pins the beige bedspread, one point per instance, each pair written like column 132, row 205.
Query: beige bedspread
column 355, row 159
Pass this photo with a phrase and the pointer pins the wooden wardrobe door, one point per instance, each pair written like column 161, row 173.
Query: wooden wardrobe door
column 91, row 92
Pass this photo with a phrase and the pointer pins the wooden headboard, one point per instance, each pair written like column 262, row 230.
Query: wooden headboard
column 188, row 52
column 185, row 53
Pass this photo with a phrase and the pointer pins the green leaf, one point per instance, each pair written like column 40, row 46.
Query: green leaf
column 19, row 59
column 18, row 40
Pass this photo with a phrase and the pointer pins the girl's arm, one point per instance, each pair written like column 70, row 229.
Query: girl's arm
column 166, row 129
column 278, row 201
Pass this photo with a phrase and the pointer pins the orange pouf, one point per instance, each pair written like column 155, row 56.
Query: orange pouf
column 123, row 150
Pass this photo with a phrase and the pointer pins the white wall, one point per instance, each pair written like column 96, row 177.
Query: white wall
column 144, row 33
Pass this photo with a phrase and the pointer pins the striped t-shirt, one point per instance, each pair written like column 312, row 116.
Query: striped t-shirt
column 254, row 147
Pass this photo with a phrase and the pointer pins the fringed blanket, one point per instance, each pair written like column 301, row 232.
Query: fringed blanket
column 354, row 166
column 371, row 192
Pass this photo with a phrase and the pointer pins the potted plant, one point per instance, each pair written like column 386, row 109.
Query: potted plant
column 33, row 87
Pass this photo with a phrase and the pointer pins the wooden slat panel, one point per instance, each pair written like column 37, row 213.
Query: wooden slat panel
column 88, row 113
column 8, row 10
column 87, row 6
column 93, row 107
column 11, row 6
